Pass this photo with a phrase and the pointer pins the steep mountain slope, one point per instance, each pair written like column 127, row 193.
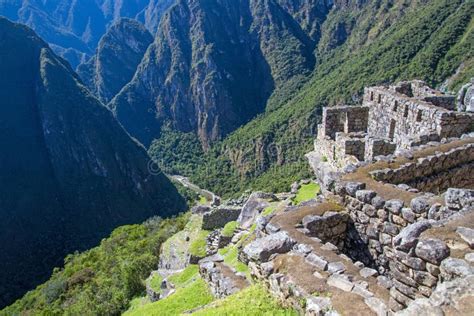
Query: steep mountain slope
column 120, row 51
column 69, row 172
column 74, row 28
column 214, row 64
column 428, row 40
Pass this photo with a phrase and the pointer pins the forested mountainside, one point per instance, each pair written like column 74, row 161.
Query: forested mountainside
column 69, row 172
column 74, row 28
column 119, row 52
column 214, row 64
column 385, row 41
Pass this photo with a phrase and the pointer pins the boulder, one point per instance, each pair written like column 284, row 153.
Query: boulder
column 317, row 306
column 256, row 203
column 394, row 206
column 353, row 187
column 467, row 234
column 317, row 261
column 262, row 249
column 459, row 198
column 365, row 196
column 341, row 282
column 408, row 237
column 368, row 272
column 432, row 250
column 336, row 267
column 419, row 205
column 452, row 268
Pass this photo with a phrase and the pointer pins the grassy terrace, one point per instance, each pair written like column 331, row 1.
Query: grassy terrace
column 306, row 192
column 198, row 247
column 254, row 300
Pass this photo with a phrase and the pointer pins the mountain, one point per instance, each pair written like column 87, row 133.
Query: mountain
column 69, row 172
column 214, row 64
column 119, row 52
column 363, row 43
column 74, row 28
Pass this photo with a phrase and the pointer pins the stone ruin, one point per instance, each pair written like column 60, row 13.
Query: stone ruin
column 393, row 232
column 390, row 121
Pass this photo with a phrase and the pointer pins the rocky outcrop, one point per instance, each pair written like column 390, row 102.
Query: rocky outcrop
column 256, row 203
column 214, row 64
column 69, row 163
column 116, row 59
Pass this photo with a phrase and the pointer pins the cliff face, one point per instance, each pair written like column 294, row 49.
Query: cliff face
column 69, row 172
column 214, row 64
column 74, row 28
column 117, row 57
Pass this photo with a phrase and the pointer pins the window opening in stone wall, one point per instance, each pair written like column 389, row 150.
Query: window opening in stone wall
column 419, row 116
column 405, row 113
column 395, row 106
column 391, row 133
column 380, row 98
column 371, row 95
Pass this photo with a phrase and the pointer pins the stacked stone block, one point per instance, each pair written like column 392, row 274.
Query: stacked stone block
column 434, row 173
column 390, row 231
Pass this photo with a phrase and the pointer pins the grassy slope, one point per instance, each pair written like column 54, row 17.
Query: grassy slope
column 429, row 42
column 254, row 300
column 103, row 280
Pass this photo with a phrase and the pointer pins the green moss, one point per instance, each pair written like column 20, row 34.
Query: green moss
column 155, row 282
column 187, row 298
column 229, row 228
column 198, row 247
column 306, row 192
column 254, row 300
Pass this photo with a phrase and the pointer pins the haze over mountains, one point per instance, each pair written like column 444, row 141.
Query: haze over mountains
column 69, row 172
column 74, row 27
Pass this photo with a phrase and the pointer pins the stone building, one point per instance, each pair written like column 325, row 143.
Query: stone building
column 390, row 120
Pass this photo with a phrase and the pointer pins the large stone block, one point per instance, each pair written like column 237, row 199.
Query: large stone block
column 262, row 249
column 432, row 250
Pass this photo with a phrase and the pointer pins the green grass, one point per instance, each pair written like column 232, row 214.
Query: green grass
column 155, row 282
column 306, row 193
column 198, row 247
column 269, row 210
column 185, row 277
column 229, row 228
column 202, row 200
column 230, row 255
column 187, row 298
column 254, row 300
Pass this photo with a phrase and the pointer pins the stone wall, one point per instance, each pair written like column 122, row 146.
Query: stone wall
column 407, row 121
column 386, row 236
column 346, row 119
column 351, row 144
column 218, row 217
column 378, row 147
column 435, row 173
